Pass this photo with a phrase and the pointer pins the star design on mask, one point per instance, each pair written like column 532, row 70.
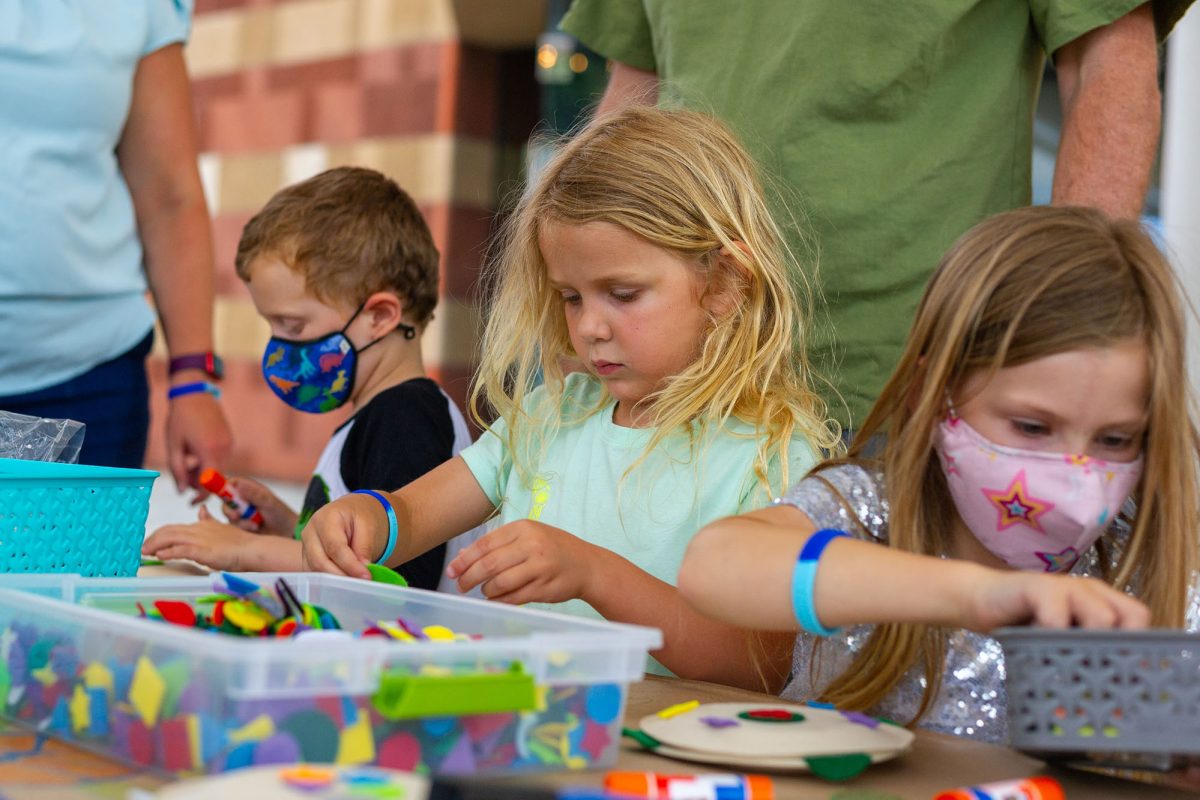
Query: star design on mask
column 1062, row 561
column 1015, row 505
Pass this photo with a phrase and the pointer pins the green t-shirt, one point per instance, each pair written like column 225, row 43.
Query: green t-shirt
column 651, row 515
column 893, row 126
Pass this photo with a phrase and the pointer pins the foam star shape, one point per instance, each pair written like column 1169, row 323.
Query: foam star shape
column 1016, row 506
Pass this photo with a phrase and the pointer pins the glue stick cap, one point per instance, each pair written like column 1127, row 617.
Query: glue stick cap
column 637, row 784
column 1036, row 788
column 212, row 480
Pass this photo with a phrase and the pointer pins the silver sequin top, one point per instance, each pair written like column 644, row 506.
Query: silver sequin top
column 972, row 699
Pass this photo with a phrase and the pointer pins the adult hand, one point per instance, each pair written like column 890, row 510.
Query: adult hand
column 278, row 518
column 526, row 562
column 345, row 535
column 197, row 436
column 1005, row 597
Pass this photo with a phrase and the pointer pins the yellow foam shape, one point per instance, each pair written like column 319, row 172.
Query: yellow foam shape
column 246, row 616
column 357, row 745
column 81, row 709
column 193, row 732
column 45, row 675
column 255, row 730
column 98, row 676
column 146, row 691
column 558, row 658
column 678, row 708
column 396, row 632
column 439, row 633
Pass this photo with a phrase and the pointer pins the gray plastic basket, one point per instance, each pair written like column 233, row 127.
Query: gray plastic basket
column 1128, row 697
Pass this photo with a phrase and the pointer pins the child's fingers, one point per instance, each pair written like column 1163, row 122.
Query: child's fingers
column 202, row 513
column 497, row 539
column 518, row 584
column 490, row 567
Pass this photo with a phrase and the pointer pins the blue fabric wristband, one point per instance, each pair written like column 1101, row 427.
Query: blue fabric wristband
column 193, row 388
column 393, row 528
column 804, row 578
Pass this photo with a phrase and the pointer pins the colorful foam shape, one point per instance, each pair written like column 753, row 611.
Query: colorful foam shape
column 400, row 751
column 176, row 746
column 460, row 760
column 98, row 721
column 604, row 702
column 282, row 748
column 240, row 756
column 316, row 734
column 356, row 744
column 256, row 730
column 141, row 743
column 80, row 707
column 98, row 676
column 176, row 675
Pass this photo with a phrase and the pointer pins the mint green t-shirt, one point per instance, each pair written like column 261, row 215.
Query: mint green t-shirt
column 893, row 127
column 651, row 515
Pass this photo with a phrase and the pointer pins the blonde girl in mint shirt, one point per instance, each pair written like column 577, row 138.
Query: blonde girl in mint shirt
column 644, row 280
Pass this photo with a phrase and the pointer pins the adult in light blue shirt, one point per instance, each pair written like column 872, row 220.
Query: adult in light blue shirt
column 100, row 200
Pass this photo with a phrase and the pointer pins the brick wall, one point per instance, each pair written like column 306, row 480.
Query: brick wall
column 438, row 94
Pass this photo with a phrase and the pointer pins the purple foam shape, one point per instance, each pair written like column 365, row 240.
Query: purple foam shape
column 460, row 760
column 859, row 718
column 719, row 722
column 193, row 699
column 282, row 748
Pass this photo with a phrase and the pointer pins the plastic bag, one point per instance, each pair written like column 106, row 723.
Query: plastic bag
column 37, row 439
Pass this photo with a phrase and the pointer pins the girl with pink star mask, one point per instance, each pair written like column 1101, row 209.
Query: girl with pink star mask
column 1032, row 460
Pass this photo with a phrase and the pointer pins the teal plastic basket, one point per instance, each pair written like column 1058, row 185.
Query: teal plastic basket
column 72, row 518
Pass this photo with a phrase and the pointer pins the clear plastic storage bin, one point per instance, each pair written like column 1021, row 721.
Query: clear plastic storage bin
column 537, row 691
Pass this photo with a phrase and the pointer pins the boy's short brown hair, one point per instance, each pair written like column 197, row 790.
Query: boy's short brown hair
column 351, row 232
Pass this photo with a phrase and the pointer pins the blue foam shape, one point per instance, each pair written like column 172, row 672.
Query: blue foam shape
column 604, row 702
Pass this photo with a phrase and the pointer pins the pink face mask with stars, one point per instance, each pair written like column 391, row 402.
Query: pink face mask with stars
column 1033, row 510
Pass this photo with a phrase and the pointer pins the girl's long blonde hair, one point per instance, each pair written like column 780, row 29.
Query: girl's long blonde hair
column 1018, row 287
column 681, row 181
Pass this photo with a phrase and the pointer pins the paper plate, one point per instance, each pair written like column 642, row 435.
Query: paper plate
column 749, row 764
column 778, row 732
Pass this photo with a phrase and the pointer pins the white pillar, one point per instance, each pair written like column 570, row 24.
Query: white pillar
column 1180, row 177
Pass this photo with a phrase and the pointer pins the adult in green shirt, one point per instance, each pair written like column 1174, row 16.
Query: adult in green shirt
column 896, row 126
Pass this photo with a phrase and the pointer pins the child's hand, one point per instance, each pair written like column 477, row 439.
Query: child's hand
column 344, row 535
column 207, row 541
column 278, row 518
column 525, row 562
column 1051, row 601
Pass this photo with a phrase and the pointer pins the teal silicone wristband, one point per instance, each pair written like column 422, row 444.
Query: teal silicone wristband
column 393, row 528
column 804, row 578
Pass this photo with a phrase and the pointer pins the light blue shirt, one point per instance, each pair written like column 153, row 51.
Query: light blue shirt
column 72, row 283
column 649, row 516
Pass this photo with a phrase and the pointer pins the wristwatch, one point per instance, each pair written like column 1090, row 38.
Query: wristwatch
column 210, row 363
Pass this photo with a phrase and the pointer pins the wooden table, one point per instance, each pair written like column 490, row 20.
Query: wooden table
column 936, row 761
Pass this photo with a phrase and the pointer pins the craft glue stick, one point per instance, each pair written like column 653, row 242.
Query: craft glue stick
column 215, row 482
column 691, row 787
column 1039, row 788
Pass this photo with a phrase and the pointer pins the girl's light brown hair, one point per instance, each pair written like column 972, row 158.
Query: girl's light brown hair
column 1018, row 287
column 681, row 181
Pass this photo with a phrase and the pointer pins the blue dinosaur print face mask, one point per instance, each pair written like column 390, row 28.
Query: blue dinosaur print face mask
column 316, row 375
